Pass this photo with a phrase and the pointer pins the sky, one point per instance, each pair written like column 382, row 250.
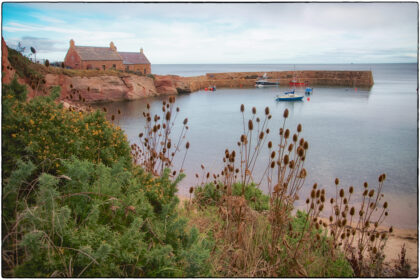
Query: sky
column 194, row 33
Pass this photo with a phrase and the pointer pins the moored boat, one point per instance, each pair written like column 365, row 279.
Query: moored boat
column 309, row 90
column 289, row 96
column 263, row 82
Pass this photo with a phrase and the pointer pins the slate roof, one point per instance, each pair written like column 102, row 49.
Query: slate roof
column 97, row 53
column 133, row 58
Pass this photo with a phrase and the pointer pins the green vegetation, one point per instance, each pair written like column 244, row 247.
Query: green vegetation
column 78, row 201
column 75, row 206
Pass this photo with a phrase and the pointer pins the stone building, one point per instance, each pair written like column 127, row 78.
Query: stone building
column 83, row 57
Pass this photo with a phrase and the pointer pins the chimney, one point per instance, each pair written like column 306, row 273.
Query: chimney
column 71, row 43
column 141, row 50
column 113, row 47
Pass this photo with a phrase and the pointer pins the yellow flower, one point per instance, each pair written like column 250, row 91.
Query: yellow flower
column 14, row 135
column 31, row 122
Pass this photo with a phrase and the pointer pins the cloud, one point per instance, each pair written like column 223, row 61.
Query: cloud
column 231, row 32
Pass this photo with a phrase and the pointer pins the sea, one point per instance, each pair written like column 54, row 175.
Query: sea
column 354, row 134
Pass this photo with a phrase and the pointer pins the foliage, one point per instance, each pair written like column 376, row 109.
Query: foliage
column 44, row 132
column 211, row 194
column 96, row 221
column 31, row 72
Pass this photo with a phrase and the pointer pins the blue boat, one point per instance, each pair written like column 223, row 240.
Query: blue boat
column 309, row 90
column 289, row 97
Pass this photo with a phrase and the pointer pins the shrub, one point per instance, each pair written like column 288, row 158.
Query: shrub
column 96, row 221
column 44, row 132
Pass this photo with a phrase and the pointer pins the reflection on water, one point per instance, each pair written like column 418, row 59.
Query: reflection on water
column 354, row 135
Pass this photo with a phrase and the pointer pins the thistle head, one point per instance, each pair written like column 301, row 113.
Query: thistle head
column 286, row 113
column 299, row 128
column 242, row 108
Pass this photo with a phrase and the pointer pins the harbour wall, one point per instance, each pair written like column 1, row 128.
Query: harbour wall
column 312, row 78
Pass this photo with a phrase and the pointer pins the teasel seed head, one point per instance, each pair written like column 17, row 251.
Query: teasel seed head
column 295, row 137
column 286, row 159
column 191, row 190
column 286, row 113
column 321, row 207
column 273, row 164
column 254, row 110
column 301, row 141
column 345, row 201
column 187, row 146
column 371, row 193
column 313, row 194
column 300, row 151
column 337, row 181
column 365, row 184
column 386, row 213
column 332, row 200
column 352, row 211
column 290, row 147
column 287, row 133
column 383, row 235
column 112, row 117
column 261, row 135
column 307, row 201
column 273, row 154
column 267, row 131
column 267, row 111
column 185, row 121
column 365, row 192
column 281, row 131
column 343, row 214
column 242, row 108
column 312, row 205
column 292, row 164
column 119, row 112
column 322, row 198
column 391, row 229
column 270, row 144
column 341, row 193
column 343, row 235
column 177, row 109
column 351, row 189
column 305, row 145
column 385, row 205
column 250, row 125
column 331, row 219
column 168, row 116
column 202, row 166
column 317, row 193
column 372, row 238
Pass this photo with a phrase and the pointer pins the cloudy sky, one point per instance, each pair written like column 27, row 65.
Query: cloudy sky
column 221, row 32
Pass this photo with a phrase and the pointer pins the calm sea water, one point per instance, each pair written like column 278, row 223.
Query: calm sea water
column 353, row 134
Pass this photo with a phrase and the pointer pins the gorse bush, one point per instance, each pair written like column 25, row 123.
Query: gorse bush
column 75, row 206
column 45, row 132
column 96, row 221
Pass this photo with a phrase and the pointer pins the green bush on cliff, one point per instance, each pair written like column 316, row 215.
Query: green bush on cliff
column 44, row 132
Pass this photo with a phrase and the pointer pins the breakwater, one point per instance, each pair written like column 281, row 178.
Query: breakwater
column 312, row 78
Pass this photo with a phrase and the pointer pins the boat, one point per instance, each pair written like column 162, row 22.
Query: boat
column 294, row 82
column 289, row 96
column 309, row 90
column 263, row 82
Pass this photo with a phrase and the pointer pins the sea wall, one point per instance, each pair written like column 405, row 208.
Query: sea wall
column 312, row 78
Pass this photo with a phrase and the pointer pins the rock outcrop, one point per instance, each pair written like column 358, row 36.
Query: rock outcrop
column 102, row 88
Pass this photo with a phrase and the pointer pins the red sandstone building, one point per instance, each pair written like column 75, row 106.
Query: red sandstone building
column 82, row 57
